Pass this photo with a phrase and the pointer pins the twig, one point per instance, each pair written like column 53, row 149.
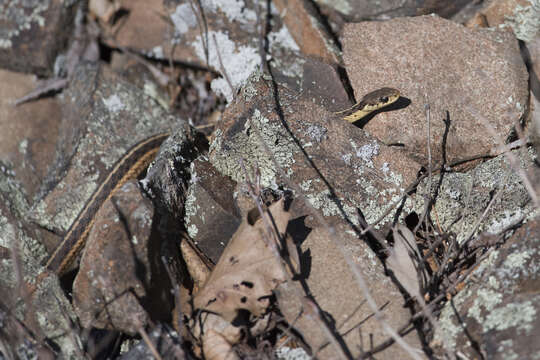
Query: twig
column 149, row 343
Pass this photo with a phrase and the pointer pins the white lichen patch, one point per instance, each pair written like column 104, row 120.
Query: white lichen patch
column 525, row 21
column 183, row 19
column 249, row 150
column 514, row 315
column 224, row 55
column 343, row 6
column 17, row 16
column 113, row 103
column 283, row 39
column 234, row 10
column 367, row 152
column 331, row 207
column 192, row 231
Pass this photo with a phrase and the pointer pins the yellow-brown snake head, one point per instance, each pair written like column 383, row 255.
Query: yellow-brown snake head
column 375, row 100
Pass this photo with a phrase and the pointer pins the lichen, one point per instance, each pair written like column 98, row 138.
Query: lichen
column 17, row 16
column 236, row 61
column 249, row 150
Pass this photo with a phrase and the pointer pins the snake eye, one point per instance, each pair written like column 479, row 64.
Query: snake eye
column 384, row 99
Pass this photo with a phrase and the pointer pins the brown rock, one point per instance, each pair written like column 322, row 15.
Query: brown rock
column 461, row 73
column 29, row 132
column 119, row 285
column 211, row 214
column 339, row 167
column 361, row 10
column 342, row 301
column 308, row 31
column 496, row 315
column 519, row 15
column 33, row 33
column 231, row 44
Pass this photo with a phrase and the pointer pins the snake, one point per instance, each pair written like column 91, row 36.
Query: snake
column 136, row 160
column 372, row 101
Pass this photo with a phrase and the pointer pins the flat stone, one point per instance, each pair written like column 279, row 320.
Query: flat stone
column 29, row 132
column 521, row 16
column 463, row 74
column 33, row 33
column 119, row 286
column 45, row 310
column 496, row 315
column 341, row 300
column 230, row 44
column 211, row 213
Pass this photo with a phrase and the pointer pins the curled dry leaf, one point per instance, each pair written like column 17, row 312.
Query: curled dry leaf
column 243, row 279
column 403, row 259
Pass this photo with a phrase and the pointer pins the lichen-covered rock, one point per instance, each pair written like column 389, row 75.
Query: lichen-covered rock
column 463, row 197
column 338, row 167
column 497, row 314
column 32, row 33
column 104, row 117
column 44, row 308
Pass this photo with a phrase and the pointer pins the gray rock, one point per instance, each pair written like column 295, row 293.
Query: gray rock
column 32, row 33
column 496, row 315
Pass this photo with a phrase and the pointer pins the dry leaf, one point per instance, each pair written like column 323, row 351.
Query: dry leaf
column 403, row 260
column 247, row 271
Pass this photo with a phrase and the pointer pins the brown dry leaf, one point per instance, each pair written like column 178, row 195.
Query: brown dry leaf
column 247, row 271
column 403, row 260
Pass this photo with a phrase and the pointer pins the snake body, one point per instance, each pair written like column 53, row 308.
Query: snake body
column 137, row 159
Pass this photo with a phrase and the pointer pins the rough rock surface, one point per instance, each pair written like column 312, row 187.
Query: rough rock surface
column 338, row 167
column 29, row 132
column 32, row 33
column 359, row 10
column 106, row 117
column 45, row 311
column 230, row 44
column 521, row 16
column 119, row 282
column 342, row 301
column 496, row 315
column 463, row 197
column 211, row 215
column 461, row 73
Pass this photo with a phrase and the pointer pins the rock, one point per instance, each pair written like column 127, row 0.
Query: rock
column 29, row 132
column 104, row 117
column 33, row 33
column 519, row 15
column 338, row 167
column 341, row 300
column 308, row 30
column 361, row 10
column 122, row 283
column 167, row 344
column 496, row 315
column 231, row 43
column 33, row 303
column 463, row 197
column 211, row 214
column 463, row 74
